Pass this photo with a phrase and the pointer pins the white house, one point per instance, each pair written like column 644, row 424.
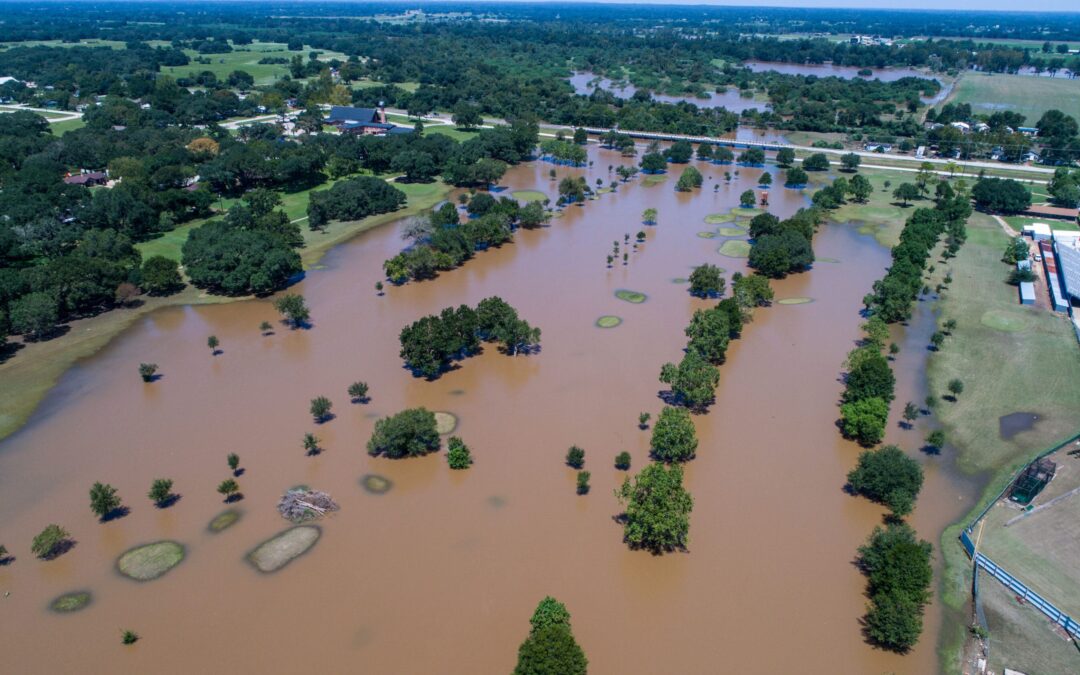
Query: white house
column 964, row 127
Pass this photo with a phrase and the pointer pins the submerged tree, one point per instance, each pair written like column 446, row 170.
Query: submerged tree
column 293, row 309
column 358, row 392
column 551, row 648
column 889, row 477
column 409, row 433
column 706, row 281
column 657, row 509
column 575, row 457
column 583, row 482
column 233, row 460
column 148, row 371
column 229, row 488
column 320, row 408
column 311, row 444
column 458, row 455
column 50, row 542
column 674, row 438
column 104, row 501
column 161, row 492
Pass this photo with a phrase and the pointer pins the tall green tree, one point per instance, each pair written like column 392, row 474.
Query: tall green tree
column 657, row 509
column 674, row 438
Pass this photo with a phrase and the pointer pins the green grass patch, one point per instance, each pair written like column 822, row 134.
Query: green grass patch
column 608, row 321
column 376, row 484
column 680, row 280
column 731, row 231
column 1029, row 96
column 631, row 296
column 747, row 212
column 71, row 602
column 707, row 235
column 1003, row 320
column 148, row 562
column 447, row 130
column 734, row 248
column 277, row 552
column 528, row 195
column 718, row 218
column 224, row 520
column 445, row 422
column 654, row 179
column 794, row 301
column 61, row 128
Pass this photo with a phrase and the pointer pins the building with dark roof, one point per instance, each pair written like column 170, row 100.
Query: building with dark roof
column 367, row 121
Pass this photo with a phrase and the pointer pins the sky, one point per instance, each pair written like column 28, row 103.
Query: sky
column 1006, row 5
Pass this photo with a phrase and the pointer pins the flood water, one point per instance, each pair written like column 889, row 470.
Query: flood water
column 585, row 82
column 441, row 574
column 832, row 70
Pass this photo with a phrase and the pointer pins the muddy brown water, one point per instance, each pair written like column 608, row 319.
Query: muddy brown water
column 441, row 574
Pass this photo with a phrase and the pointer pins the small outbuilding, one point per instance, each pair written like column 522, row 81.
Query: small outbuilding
column 1027, row 293
column 1037, row 231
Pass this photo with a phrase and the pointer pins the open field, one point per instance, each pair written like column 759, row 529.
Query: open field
column 1029, row 96
column 1041, row 363
column 1021, row 637
column 246, row 58
column 28, row 376
column 61, row 128
column 1042, row 548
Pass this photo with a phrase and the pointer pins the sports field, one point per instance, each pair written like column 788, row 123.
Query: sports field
column 1027, row 95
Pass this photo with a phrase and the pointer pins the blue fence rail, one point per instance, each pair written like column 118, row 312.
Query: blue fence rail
column 1018, row 587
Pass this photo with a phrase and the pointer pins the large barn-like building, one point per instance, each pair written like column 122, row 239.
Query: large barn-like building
column 366, row 121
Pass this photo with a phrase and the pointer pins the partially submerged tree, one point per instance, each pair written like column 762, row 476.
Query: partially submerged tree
column 409, row 433
column 148, row 371
column 889, row 477
column 457, row 454
column 229, row 488
column 320, row 408
column 551, row 648
column 674, row 438
column 657, row 509
column 706, row 281
column 575, row 457
column 293, row 309
column 50, row 542
column 104, row 501
column 358, row 392
column 161, row 492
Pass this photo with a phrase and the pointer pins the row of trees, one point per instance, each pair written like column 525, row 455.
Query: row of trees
column 894, row 294
column 430, row 344
column 869, row 387
column 441, row 241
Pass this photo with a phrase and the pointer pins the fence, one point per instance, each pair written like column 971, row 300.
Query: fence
column 1012, row 583
column 1018, row 587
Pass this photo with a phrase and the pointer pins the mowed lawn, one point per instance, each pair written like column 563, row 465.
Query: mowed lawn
column 420, row 196
column 246, row 58
column 1010, row 357
column 1042, row 549
column 1027, row 95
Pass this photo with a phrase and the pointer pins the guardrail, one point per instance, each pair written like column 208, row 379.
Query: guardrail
column 1015, row 585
